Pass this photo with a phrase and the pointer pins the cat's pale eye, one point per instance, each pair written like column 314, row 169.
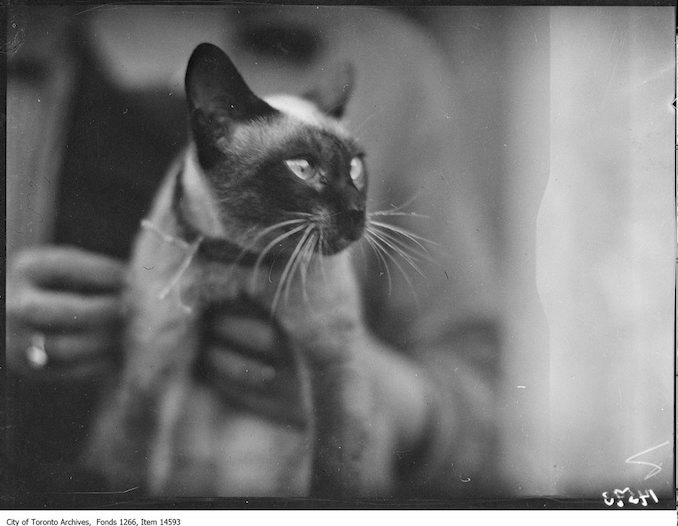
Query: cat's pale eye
column 301, row 168
column 357, row 170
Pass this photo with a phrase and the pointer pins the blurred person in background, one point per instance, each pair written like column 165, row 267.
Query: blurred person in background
column 95, row 116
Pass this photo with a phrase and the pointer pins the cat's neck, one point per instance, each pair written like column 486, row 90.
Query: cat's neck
column 198, row 205
column 197, row 218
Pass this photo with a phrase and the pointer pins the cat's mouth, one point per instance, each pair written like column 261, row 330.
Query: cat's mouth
column 308, row 234
column 332, row 247
column 348, row 228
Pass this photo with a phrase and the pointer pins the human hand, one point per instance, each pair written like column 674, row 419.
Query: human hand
column 247, row 359
column 64, row 312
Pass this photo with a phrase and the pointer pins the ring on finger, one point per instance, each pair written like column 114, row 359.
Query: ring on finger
column 36, row 354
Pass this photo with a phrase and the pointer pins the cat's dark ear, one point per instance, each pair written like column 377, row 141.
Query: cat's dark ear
column 215, row 87
column 333, row 92
column 218, row 99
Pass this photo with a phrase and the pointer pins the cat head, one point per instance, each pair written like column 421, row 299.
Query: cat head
column 281, row 161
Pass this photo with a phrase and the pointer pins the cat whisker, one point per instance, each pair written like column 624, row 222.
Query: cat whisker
column 272, row 228
column 321, row 243
column 307, row 261
column 390, row 243
column 418, row 240
column 405, row 204
column 252, row 242
column 288, row 267
column 389, row 213
column 288, row 271
column 369, row 237
column 270, row 246
column 295, row 263
column 300, row 214
column 298, row 264
column 271, row 268
column 411, row 246
column 385, row 251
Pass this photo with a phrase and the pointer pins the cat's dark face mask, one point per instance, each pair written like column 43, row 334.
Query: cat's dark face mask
column 283, row 162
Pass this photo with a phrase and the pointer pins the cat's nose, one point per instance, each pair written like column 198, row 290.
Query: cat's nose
column 357, row 217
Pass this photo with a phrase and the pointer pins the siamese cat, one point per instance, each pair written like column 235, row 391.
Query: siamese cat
column 259, row 210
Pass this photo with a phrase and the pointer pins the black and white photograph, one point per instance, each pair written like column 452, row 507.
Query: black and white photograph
column 273, row 256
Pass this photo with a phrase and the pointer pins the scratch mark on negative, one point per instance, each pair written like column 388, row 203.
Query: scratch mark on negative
column 656, row 468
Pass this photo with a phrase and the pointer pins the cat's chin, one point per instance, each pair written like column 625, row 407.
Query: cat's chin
column 336, row 246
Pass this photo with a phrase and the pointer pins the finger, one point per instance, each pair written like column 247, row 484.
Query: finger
column 16, row 342
column 252, row 336
column 101, row 369
column 76, row 347
column 247, row 371
column 57, row 368
column 277, row 400
column 90, row 371
column 45, row 310
column 70, row 267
